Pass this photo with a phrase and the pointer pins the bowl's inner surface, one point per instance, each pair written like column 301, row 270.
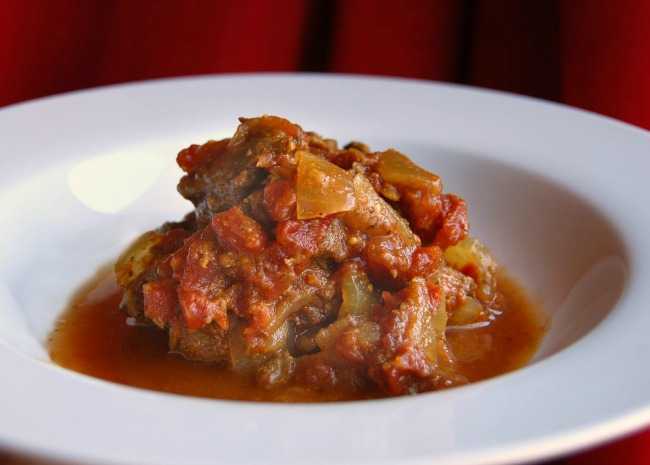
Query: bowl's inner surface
column 564, row 252
column 60, row 225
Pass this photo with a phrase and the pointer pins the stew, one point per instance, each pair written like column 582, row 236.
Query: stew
column 306, row 272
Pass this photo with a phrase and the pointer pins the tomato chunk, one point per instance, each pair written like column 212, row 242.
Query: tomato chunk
column 160, row 301
column 239, row 231
column 280, row 200
column 194, row 156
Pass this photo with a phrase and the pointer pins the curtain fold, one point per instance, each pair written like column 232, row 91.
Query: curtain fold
column 606, row 57
column 516, row 47
column 420, row 39
column 172, row 38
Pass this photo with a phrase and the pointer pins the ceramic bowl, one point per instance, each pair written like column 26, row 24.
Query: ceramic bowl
column 559, row 195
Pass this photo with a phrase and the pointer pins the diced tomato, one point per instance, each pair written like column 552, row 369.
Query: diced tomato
column 260, row 315
column 199, row 309
column 425, row 261
column 200, row 281
column 280, row 200
column 304, row 237
column 424, row 211
column 454, row 226
column 388, row 259
column 239, row 231
column 194, row 156
column 270, row 273
column 160, row 301
column 176, row 262
column 441, row 219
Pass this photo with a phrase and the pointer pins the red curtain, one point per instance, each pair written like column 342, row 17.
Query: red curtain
column 593, row 54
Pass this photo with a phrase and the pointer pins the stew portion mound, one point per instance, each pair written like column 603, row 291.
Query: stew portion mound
column 308, row 264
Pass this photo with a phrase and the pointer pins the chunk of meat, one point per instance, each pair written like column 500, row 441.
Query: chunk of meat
column 303, row 261
column 209, row 344
column 222, row 180
column 412, row 323
column 266, row 316
column 254, row 206
column 353, row 155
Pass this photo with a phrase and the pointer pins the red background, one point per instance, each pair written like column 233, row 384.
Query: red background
column 593, row 54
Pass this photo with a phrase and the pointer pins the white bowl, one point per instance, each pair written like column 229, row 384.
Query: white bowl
column 558, row 194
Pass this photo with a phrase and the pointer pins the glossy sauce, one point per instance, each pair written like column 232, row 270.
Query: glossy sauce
column 94, row 337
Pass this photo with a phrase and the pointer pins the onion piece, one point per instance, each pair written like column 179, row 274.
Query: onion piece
column 375, row 217
column 470, row 311
column 357, row 293
column 398, row 169
column 322, row 188
column 471, row 255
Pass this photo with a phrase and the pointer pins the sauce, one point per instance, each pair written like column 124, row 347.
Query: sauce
column 94, row 337
column 508, row 343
